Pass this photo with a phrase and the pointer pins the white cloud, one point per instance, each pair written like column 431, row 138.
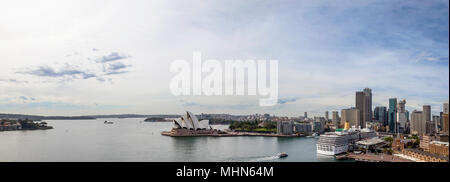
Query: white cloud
column 327, row 50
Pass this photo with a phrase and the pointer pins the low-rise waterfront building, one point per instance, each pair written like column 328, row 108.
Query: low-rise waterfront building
column 399, row 144
column 424, row 156
column 440, row 148
column 442, row 137
column 303, row 128
column 9, row 125
column 425, row 141
column 376, row 126
column 317, row 127
column 370, row 144
column 285, row 128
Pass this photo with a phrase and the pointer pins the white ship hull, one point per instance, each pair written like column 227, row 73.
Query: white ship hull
column 331, row 150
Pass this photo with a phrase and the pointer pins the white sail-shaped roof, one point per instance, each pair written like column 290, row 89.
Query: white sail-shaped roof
column 187, row 121
column 180, row 122
column 193, row 119
column 177, row 123
column 204, row 124
column 190, row 121
column 183, row 124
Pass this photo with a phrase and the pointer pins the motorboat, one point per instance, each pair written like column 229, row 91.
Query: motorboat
column 108, row 122
column 282, row 155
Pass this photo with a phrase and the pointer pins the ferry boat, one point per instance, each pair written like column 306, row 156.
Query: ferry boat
column 282, row 155
column 108, row 122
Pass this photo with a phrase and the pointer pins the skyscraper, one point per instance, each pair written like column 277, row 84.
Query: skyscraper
column 363, row 103
column 380, row 115
column 427, row 113
column 445, row 122
column 402, row 118
column 429, row 127
column 444, row 118
column 418, row 125
column 326, row 116
column 437, row 122
column 392, row 115
column 306, row 115
column 441, row 121
column 367, row 105
column 401, row 106
column 359, row 104
column 445, row 107
column 352, row 115
column 335, row 118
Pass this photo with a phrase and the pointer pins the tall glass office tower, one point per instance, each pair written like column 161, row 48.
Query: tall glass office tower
column 392, row 115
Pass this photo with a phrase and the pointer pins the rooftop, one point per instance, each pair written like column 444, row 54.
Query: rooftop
column 439, row 143
column 371, row 141
column 427, row 154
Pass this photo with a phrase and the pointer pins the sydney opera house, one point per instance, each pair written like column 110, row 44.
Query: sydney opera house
column 189, row 125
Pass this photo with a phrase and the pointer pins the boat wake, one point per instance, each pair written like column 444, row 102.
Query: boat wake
column 273, row 158
column 266, row 159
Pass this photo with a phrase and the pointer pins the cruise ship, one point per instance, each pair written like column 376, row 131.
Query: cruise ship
column 333, row 143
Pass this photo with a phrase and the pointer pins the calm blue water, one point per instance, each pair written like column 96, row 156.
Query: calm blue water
column 134, row 140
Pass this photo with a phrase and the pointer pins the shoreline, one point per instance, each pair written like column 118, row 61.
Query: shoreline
column 30, row 129
column 230, row 134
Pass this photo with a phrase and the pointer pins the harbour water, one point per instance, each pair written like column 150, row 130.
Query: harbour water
column 133, row 140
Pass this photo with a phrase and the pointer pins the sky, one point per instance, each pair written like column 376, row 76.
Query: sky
column 61, row 57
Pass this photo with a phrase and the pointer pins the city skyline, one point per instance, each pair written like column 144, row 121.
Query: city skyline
column 94, row 57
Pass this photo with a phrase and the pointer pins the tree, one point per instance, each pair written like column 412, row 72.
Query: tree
column 388, row 139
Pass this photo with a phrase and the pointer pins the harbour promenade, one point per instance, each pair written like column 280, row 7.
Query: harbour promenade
column 377, row 158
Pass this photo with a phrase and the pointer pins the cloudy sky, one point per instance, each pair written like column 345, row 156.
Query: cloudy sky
column 60, row 57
